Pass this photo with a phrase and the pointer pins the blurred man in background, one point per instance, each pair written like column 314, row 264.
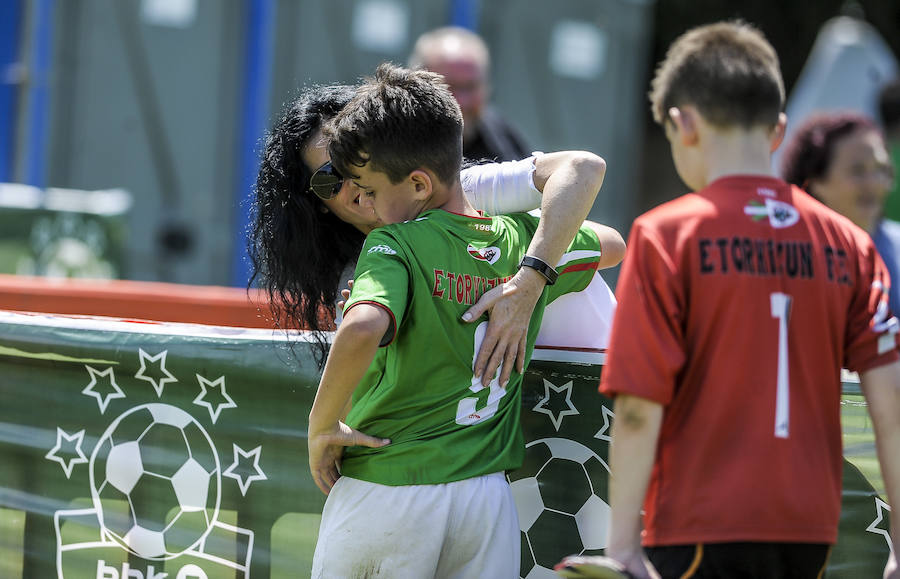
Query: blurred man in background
column 462, row 57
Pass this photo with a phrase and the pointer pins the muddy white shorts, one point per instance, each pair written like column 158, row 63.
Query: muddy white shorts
column 464, row 529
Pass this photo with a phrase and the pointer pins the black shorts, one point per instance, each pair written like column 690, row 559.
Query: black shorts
column 740, row 560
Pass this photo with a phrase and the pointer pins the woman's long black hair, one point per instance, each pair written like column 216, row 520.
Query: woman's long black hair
column 297, row 248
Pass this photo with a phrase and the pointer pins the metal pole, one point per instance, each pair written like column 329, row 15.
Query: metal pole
column 464, row 13
column 259, row 42
column 38, row 102
column 10, row 77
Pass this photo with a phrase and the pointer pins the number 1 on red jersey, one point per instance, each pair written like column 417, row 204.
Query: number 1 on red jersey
column 781, row 310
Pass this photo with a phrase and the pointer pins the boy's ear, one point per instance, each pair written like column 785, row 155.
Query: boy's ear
column 684, row 122
column 778, row 132
column 422, row 183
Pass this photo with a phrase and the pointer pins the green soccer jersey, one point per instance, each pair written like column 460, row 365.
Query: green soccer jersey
column 419, row 391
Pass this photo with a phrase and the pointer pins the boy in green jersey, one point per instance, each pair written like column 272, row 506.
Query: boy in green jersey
column 422, row 493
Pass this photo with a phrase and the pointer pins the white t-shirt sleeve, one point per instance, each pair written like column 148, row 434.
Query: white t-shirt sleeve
column 498, row 188
column 580, row 319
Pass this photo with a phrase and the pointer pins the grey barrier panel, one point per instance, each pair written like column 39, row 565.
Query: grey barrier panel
column 150, row 102
column 573, row 74
column 151, row 105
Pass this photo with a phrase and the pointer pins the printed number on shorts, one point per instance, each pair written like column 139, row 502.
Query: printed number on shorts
column 781, row 310
column 466, row 413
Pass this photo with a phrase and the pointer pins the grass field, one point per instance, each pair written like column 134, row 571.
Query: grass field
column 859, row 439
column 12, row 542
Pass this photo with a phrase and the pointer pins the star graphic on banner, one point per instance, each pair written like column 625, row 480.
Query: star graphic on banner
column 603, row 433
column 243, row 470
column 75, row 454
column 214, row 389
column 556, row 417
column 879, row 525
column 158, row 375
column 108, row 385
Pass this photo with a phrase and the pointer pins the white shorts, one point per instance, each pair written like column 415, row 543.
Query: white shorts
column 463, row 529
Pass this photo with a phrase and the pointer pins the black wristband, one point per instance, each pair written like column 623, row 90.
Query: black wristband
column 540, row 266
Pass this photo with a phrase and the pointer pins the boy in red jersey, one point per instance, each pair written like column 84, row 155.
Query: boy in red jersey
column 738, row 306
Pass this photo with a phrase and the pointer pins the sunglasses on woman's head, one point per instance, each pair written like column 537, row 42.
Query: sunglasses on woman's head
column 326, row 182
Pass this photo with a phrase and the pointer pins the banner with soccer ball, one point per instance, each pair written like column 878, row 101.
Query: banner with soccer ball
column 136, row 450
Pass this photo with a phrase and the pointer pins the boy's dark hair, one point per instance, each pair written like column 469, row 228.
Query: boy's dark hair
column 400, row 120
column 809, row 154
column 728, row 70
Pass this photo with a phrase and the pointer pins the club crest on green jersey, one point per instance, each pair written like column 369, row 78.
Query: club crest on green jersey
column 488, row 254
column 779, row 213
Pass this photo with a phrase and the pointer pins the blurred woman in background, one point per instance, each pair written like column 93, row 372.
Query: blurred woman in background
column 842, row 160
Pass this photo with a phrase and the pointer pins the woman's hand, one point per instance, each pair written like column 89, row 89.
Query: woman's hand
column 345, row 293
column 509, row 307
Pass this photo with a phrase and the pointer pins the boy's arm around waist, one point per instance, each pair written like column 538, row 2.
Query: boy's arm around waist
column 352, row 351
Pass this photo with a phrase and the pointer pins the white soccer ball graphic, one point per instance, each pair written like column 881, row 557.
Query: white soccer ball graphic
column 561, row 498
column 155, row 481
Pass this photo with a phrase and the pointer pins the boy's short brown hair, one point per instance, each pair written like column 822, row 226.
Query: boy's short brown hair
column 400, row 120
column 728, row 70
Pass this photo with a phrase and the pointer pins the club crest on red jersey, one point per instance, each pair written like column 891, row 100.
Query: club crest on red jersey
column 779, row 213
column 488, row 254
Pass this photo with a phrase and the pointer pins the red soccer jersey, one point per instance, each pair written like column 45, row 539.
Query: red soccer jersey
column 738, row 305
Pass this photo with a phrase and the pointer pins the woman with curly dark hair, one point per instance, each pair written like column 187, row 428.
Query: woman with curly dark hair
column 308, row 225
column 298, row 246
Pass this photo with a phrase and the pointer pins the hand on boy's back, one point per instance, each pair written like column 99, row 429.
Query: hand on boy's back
column 509, row 307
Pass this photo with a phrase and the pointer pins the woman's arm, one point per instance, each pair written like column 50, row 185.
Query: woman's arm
column 570, row 182
column 499, row 188
column 512, row 186
column 612, row 245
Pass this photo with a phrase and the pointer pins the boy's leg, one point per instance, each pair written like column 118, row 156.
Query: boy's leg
column 483, row 538
column 741, row 560
column 377, row 531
